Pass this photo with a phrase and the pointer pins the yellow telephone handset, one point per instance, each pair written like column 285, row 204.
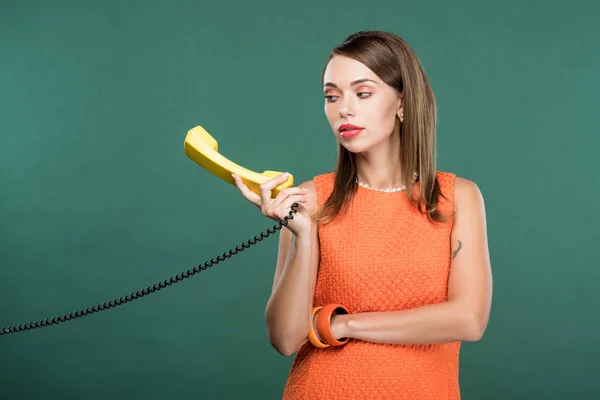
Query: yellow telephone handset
column 204, row 150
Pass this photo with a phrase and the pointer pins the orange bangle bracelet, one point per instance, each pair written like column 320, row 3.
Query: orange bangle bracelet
column 324, row 323
column 311, row 333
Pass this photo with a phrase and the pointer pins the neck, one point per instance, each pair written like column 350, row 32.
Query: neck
column 379, row 167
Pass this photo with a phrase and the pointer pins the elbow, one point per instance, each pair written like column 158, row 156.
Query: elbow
column 284, row 346
column 286, row 340
column 286, row 336
column 286, row 351
column 475, row 327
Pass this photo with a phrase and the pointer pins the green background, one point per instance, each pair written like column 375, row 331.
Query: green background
column 97, row 198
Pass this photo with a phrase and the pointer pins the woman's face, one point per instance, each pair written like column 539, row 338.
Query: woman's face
column 355, row 95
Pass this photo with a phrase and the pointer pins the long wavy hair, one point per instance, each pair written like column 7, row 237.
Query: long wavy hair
column 392, row 60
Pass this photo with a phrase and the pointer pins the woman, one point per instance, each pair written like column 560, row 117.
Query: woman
column 384, row 270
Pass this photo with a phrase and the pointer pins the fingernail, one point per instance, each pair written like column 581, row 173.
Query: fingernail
column 286, row 174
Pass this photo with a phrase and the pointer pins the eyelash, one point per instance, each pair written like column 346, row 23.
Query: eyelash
column 328, row 98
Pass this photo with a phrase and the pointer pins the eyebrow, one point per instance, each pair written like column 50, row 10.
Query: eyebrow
column 356, row 82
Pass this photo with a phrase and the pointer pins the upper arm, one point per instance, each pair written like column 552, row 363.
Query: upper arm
column 470, row 281
column 285, row 240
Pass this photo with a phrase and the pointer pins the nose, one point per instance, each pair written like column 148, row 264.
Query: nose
column 345, row 108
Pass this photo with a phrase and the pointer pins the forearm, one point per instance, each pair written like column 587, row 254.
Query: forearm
column 289, row 307
column 437, row 323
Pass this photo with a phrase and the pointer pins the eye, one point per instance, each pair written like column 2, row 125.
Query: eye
column 364, row 95
column 330, row 98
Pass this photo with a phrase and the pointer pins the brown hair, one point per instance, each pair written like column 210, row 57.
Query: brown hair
column 391, row 59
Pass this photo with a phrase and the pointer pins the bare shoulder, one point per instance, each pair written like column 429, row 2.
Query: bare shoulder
column 310, row 185
column 311, row 195
column 466, row 192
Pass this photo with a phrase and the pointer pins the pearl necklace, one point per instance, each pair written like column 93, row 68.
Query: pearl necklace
column 386, row 190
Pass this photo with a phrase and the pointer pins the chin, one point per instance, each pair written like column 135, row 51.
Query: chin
column 356, row 149
column 355, row 146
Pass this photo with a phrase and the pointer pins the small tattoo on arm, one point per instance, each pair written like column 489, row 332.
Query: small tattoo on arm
column 457, row 250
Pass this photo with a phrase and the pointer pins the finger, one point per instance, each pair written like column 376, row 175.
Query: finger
column 273, row 182
column 267, row 187
column 285, row 193
column 284, row 209
column 246, row 192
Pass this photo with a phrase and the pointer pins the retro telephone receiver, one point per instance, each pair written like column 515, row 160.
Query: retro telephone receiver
column 202, row 148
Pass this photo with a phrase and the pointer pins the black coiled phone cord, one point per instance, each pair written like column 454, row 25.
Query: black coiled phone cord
column 151, row 289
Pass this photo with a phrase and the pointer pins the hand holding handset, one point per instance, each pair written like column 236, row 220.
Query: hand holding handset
column 271, row 191
column 201, row 147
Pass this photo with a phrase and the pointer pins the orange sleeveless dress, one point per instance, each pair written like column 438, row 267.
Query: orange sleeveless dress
column 381, row 256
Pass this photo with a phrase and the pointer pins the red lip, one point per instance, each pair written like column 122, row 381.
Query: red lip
column 349, row 130
column 350, row 127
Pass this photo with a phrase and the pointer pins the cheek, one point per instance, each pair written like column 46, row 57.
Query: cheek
column 384, row 114
column 331, row 114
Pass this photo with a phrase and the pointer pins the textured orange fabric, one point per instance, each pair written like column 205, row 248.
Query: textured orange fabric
column 381, row 256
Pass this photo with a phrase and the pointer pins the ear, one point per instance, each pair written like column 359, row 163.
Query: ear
column 400, row 110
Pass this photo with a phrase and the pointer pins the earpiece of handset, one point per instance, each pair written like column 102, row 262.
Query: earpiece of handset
column 203, row 149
